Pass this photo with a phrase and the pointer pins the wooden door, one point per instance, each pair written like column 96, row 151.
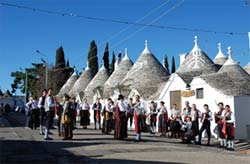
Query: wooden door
column 175, row 98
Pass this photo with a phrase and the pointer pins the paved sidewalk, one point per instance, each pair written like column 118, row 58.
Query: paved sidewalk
column 20, row 145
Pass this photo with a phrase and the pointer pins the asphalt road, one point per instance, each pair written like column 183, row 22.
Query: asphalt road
column 20, row 145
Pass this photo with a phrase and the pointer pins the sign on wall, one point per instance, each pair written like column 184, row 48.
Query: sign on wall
column 188, row 93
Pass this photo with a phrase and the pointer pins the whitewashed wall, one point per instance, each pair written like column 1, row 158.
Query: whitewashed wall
column 173, row 84
column 242, row 117
column 211, row 97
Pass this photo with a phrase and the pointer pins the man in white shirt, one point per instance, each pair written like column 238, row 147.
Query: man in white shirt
column 49, row 110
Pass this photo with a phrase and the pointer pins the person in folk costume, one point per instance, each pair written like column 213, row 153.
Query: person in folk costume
column 67, row 112
column 84, row 114
column 175, row 121
column 187, row 130
column 206, row 119
column 186, row 111
column 41, row 103
column 153, row 116
column 108, row 115
column 195, row 116
column 97, row 107
column 32, row 105
column 139, row 117
column 130, row 112
column 163, row 119
column 228, row 127
column 49, row 112
column 121, row 119
column 218, row 118
column 59, row 111
column 74, row 106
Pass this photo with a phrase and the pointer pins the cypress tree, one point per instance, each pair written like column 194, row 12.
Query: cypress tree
column 112, row 64
column 166, row 65
column 173, row 65
column 67, row 64
column 92, row 57
column 106, row 57
column 60, row 60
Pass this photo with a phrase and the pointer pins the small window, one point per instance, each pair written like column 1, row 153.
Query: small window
column 199, row 93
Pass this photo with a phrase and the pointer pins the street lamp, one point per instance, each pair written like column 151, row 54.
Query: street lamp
column 26, row 84
column 46, row 62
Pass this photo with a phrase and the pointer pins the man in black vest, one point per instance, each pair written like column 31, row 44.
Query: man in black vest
column 41, row 104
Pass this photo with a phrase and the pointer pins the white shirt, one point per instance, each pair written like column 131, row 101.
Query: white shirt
column 232, row 118
column 49, row 103
column 33, row 104
column 122, row 106
column 109, row 107
column 85, row 106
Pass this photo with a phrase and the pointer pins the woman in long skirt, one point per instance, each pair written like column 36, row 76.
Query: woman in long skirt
column 163, row 120
column 84, row 114
column 120, row 119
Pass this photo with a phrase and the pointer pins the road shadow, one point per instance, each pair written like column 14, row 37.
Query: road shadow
column 52, row 152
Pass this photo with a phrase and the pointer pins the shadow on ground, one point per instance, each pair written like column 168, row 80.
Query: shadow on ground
column 41, row 152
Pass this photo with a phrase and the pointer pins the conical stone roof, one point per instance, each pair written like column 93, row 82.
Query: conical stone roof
column 247, row 68
column 231, row 79
column 195, row 64
column 220, row 58
column 81, row 83
column 96, row 85
column 116, row 77
column 197, row 60
column 68, row 85
column 144, row 76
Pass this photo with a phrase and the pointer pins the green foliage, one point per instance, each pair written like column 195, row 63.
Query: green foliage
column 60, row 59
column 92, row 57
column 112, row 64
column 173, row 65
column 166, row 65
column 34, row 76
column 106, row 57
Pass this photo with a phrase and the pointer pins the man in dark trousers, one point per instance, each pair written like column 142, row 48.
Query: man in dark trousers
column 41, row 104
column 97, row 107
column 49, row 111
column 205, row 120
column 218, row 116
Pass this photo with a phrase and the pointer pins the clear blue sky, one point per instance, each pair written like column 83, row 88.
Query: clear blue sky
column 23, row 31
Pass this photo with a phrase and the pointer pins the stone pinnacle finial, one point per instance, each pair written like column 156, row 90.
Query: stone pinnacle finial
column 126, row 51
column 229, row 51
column 196, row 40
column 219, row 46
column 87, row 65
column 146, row 43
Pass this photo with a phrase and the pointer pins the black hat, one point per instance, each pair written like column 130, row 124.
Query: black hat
column 66, row 96
column 120, row 97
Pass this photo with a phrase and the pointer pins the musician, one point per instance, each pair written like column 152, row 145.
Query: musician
column 218, row 117
column 195, row 116
column 229, row 130
column 153, row 117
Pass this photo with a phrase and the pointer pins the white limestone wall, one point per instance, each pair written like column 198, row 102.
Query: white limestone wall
column 242, row 117
column 211, row 97
column 175, row 83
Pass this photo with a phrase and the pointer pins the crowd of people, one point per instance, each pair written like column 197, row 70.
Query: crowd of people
column 119, row 117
